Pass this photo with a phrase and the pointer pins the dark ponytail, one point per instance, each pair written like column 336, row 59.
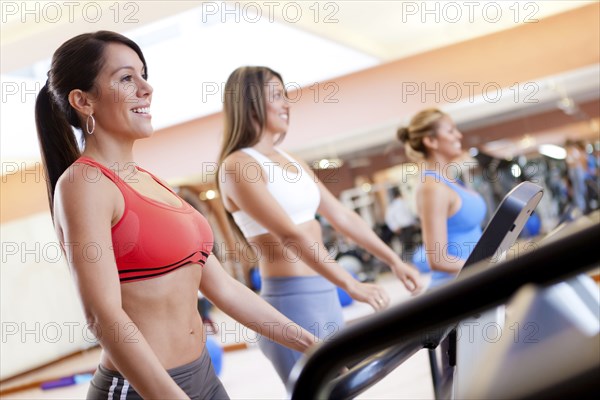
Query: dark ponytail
column 58, row 145
column 75, row 65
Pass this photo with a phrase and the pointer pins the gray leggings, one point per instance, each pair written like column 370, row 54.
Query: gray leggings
column 197, row 379
column 310, row 301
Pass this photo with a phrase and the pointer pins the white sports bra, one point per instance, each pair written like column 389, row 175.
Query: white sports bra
column 296, row 193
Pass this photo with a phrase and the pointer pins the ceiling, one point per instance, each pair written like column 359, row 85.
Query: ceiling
column 390, row 30
column 386, row 30
column 209, row 39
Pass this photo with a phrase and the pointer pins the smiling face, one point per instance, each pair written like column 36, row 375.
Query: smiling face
column 122, row 104
column 277, row 107
column 447, row 140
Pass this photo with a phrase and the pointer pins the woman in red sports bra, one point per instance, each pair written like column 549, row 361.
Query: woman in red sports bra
column 138, row 252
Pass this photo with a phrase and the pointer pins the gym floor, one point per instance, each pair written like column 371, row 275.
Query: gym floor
column 246, row 373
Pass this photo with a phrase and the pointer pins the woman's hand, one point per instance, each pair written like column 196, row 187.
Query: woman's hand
column 369, row 293
column 409, row 276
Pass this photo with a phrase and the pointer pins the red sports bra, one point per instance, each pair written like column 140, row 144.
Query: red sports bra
column 153, row 238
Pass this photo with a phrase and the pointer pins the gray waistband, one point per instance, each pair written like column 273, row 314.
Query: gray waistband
column 173, row 372
column 282, row 286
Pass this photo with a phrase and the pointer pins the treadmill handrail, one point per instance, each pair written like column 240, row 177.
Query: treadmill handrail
column 501, row 231
column 416, row 318
column 373, row 369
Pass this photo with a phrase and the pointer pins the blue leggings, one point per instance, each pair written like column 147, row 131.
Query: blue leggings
column 310, row 301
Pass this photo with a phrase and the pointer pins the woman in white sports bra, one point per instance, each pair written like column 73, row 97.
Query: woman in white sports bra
column 273, row 199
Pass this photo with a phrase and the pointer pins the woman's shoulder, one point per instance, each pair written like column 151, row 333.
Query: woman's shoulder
column 78, row 176
column 239, row 155
column 236, row 167
column 431, row 180
column 431, row 185
column 81, row 183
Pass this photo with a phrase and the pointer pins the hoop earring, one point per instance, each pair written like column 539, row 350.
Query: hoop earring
column 87, row 124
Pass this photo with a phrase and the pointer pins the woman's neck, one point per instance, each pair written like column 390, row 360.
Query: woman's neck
column 111, row 154
column 436, row 162
column 266, row 144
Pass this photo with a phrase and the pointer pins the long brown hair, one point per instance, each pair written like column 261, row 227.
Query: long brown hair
column 244, row 109
column 75, row 65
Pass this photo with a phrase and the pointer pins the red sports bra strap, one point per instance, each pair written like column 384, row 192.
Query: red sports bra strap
column 157, row 180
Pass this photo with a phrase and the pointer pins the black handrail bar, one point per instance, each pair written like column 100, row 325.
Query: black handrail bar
column 373, row 369
column 501, row 231
column 417, row 319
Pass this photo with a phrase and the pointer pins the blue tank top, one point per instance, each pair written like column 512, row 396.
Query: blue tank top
column 464, row 231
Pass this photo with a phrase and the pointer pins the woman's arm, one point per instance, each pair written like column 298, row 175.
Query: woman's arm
column 83, row 214
column 353, row 226
column 434, row 202
column 253, row 197
column 243, row 305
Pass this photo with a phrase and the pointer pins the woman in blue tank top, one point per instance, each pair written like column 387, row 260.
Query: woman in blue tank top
column 451, row 215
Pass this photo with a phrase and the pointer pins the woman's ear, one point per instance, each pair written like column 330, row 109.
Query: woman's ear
column 430, row 142
column 81, row 102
